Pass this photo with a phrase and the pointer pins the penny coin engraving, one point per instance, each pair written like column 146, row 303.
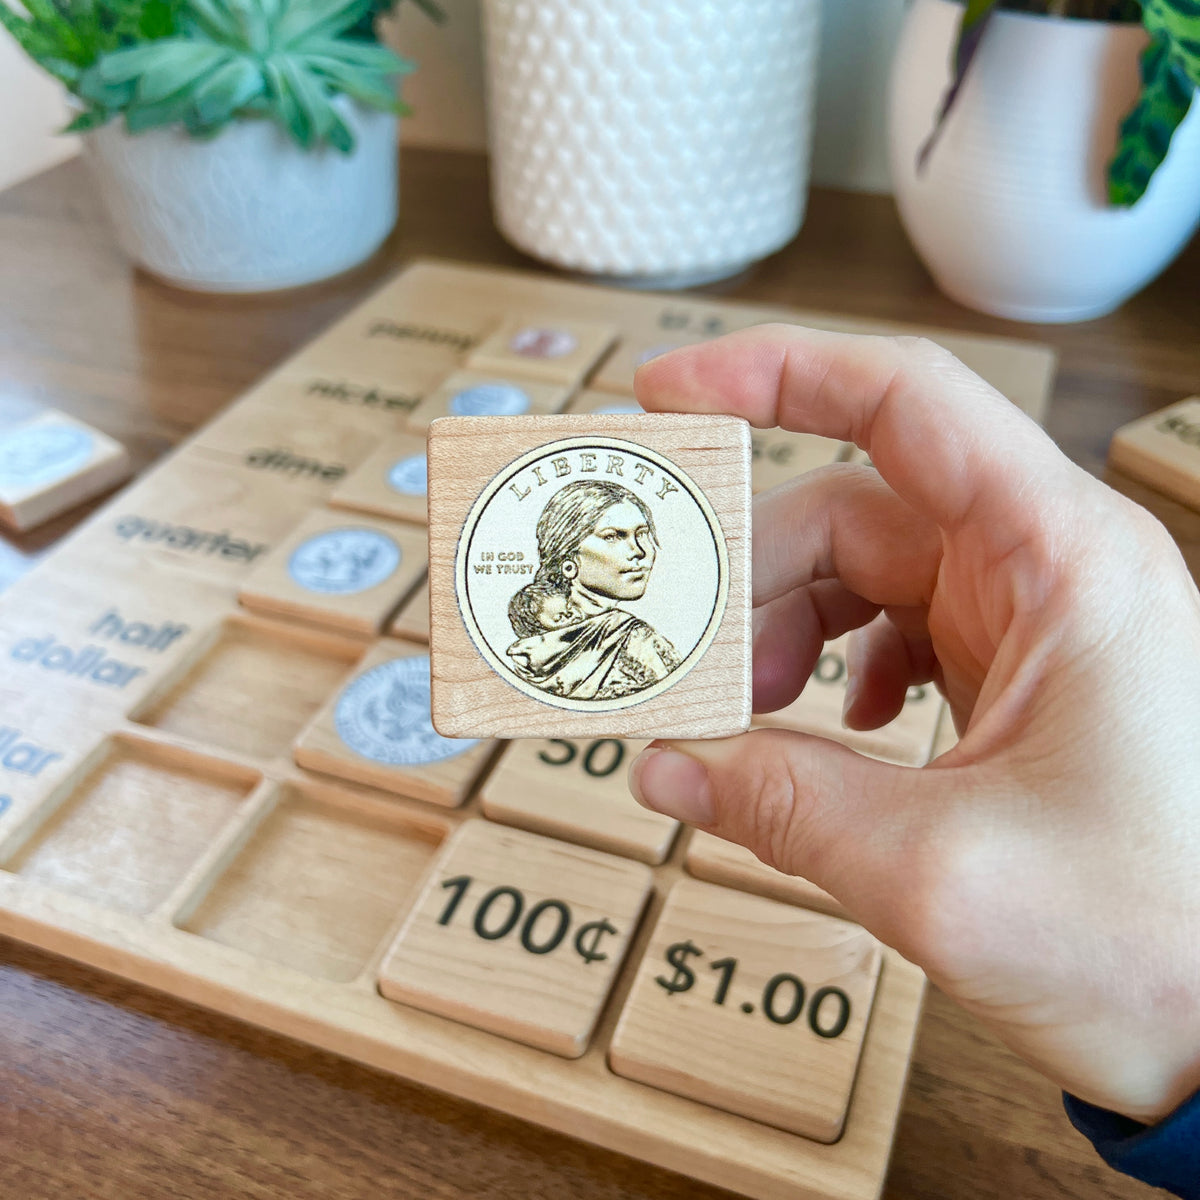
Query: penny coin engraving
column 533, row 342
column 384, row 716
column 409, row 476
column 592, row 573
column 490, row 400
column 39, row 453
column 343, row 562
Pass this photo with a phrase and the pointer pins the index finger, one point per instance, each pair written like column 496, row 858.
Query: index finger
column 944, row 440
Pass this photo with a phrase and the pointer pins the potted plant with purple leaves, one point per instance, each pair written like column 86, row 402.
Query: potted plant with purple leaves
column 1046, row 153
column 239, row 145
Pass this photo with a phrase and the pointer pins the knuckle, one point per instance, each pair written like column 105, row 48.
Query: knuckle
column 779, row 802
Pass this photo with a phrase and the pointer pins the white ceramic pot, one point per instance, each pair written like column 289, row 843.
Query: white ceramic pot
column 248, row 210
column 1010, row 214
column 657, row 144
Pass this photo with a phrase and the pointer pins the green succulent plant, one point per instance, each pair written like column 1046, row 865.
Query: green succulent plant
column 204, row 63
column 1170, row 77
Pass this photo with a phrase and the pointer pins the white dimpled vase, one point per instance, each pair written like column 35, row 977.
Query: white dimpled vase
column 655, row 145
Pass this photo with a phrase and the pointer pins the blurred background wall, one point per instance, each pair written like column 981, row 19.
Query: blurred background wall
column 447, row 93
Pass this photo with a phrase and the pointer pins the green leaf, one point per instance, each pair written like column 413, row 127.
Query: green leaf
column 93, row 118
column 970, row 35
column 227, row 90
column 372, row 90
column 124, row 66
column 178, row 66
column 140, row 117
column 355, row 54
column 1145, row 137
column 1176, row 23
column 317, row 17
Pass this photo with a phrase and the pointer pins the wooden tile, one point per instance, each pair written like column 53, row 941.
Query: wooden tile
column 717, row 861
column 339, row 570
column 253, row 688
column 497, row 393
column 376, row 730
column 1162, row 450
column 589, row 576
column 543, row 346
column 392, row 482
column 412, row 621
column 778, row 456
column 276, row 442
column 51, row 463
column 604, row 404
column 201, row 516
column 818, row 709
column 318, row 887
column 577, row 790
column 615, row 373
column 519, row 935
column 751, row 1006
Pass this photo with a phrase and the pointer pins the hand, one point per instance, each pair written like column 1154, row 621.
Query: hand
column 1046, row 871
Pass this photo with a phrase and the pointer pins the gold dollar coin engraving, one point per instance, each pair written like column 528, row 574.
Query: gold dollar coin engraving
column 592, row 574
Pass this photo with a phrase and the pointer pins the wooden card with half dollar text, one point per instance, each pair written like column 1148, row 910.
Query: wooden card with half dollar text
column 589, row 576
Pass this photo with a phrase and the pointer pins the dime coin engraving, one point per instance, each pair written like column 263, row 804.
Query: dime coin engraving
column 592, row 573
column 383, row 715
column 410, row 476
column 344, row 562
column 490, row 400
column 40, row 453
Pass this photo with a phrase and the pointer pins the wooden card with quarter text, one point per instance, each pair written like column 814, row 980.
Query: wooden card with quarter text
column 590, row 576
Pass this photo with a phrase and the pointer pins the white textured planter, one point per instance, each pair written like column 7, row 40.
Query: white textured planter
column 662, row 144
column 1010, row 215
column 248, row 211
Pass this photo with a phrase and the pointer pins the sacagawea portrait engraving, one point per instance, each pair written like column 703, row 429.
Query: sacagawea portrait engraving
column 592, row 573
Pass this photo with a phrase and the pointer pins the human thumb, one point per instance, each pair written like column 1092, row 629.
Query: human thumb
column 804, row 805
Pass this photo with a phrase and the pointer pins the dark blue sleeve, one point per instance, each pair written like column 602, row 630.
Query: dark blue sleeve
column 1166, row 1155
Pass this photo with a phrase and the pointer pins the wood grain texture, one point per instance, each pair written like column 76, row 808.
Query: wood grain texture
column 83, row 1052
column 442, row 778
column 1163, row 451
column 710, row 456
column 578, row 791
column 341, row 571
column 471, row 393
column 390, row 483
column 713, row 859
column 775, row 1033
column 518, row 934
column 907, row 739
column 543, row 345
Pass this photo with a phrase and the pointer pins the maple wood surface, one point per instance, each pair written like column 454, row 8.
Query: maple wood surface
column 110, row 1090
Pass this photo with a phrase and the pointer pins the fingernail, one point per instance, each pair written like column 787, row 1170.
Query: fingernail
column 851, row 696
column 673, row 784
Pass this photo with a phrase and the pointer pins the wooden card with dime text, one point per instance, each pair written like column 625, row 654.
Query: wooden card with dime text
column 590, row 576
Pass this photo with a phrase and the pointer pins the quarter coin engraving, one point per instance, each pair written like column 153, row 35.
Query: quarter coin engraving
column 592, row 573
column 343, row 562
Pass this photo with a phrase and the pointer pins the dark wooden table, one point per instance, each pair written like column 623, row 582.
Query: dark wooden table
column 109, row 1090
